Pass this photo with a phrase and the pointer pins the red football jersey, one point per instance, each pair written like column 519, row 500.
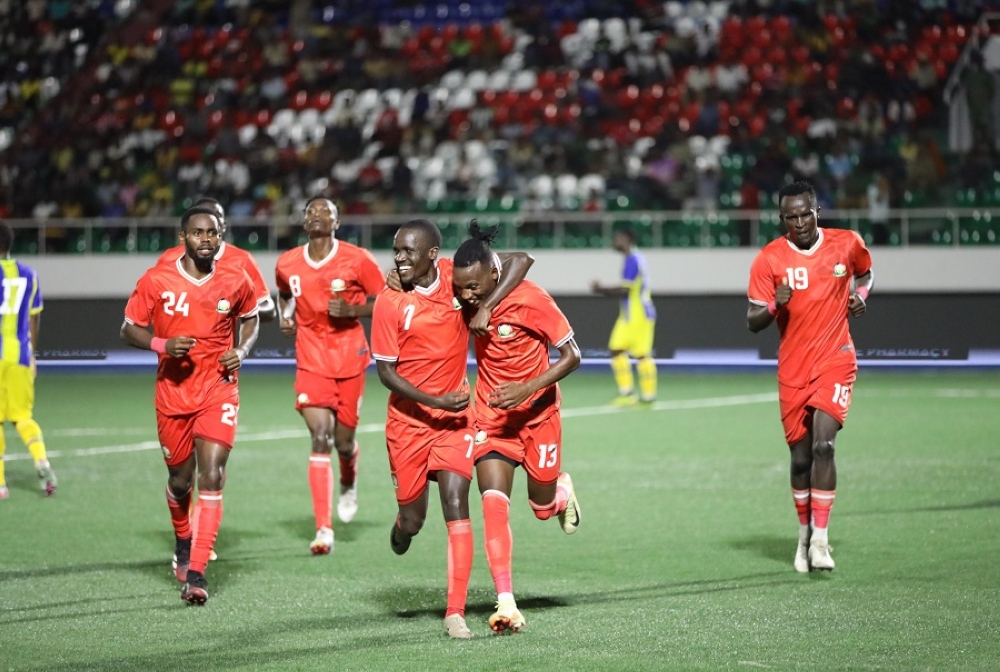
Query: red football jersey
column 516, row 349
column 813, row 325
column 229, row 255
column 424, row 333
column 208, row 310
column 331, row 347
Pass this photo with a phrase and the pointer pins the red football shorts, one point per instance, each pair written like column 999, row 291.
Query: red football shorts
column 216, row 424
column 830, row 393
column 537, row 447
column 417, row 453
column 341, row 395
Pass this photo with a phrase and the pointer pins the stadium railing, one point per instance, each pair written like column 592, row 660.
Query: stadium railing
column 523, row 229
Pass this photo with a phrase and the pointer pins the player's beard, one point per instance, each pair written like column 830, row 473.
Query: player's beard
column 204, row 264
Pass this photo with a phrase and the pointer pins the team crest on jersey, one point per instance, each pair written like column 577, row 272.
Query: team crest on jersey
column 455, row 303
column 505, row 331
column 337, row 285
column 166, row 452
column 839, row 271
column 481, row 437
column 302, row 399
column 222, row 307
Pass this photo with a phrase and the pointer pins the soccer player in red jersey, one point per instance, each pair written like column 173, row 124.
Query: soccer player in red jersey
column 420, row 343
column 195, row 309
column 324, row 287
column 516, row 412
column 809, row 281
column 229, row 254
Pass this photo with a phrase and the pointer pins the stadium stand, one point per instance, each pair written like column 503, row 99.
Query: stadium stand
column 503, row 109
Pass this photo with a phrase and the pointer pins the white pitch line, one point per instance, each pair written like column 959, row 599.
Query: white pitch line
column 276, row 435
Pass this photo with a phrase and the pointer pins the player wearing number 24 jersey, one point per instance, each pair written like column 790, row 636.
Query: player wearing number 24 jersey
column 189, row 313
column 809, row 281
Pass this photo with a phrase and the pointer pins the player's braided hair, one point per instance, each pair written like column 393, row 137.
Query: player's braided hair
column 477, row 248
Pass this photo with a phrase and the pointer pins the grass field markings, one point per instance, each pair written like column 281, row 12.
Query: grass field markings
column 672, row 405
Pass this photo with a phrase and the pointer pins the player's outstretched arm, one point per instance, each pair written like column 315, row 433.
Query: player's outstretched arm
column 613, row 291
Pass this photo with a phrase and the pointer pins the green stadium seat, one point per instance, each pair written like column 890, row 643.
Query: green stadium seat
column 723, row 231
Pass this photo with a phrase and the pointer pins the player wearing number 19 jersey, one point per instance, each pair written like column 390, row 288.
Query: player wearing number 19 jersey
column 188, row 313
column 809, row 282
column 323, row 289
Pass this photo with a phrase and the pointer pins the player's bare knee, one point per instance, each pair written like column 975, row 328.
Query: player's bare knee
column 345, row 447
column 322, row 441
column 410, row 524
column 823, row 449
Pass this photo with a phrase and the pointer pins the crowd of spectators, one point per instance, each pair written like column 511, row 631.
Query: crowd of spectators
column 131, row 109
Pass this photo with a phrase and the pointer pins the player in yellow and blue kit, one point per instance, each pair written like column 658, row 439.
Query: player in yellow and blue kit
column 20, row 311
column 632, row 335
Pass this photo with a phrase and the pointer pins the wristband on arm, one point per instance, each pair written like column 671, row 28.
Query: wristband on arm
column 863, row 293
column 158, row 344
column 772, row 308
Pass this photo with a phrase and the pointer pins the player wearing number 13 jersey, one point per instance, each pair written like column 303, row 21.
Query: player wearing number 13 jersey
column 324, row 287
column 809, row 281
column 194, row 308
column 517, row 408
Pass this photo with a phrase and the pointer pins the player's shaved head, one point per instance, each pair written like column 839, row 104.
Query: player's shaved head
column 425, row 228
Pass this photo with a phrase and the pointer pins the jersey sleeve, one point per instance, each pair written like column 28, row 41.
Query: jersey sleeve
column 36, row 304
column 139, row 309
column 542, row 315
column 761, row 289
column 281, row 276
column 860, row 256
column 385, row 328
column 246, row 297
column 370, row 274
column 631, row 270
column 261, row 291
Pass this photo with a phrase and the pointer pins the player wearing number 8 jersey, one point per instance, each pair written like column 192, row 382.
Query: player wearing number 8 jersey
column 194, row 309
column 809, row 281
column 323, row 289
column 420, row 344
column 516, row 409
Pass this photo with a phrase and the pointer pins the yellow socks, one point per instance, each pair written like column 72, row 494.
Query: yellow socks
column 31, row 434
column 621, row 366
column 646, row 367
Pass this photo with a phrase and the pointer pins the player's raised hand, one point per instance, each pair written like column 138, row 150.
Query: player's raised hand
column 783, row 294
column 509, row 395
column 454, row 401
column 179, row 346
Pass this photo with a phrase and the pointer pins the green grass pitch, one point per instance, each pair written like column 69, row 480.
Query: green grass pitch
column 683, row 560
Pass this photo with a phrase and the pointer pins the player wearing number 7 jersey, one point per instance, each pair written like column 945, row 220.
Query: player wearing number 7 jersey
column 194, row 309
column 516, row 409
column 809, row 281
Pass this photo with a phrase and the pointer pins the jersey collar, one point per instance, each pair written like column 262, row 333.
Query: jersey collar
column 317, row 264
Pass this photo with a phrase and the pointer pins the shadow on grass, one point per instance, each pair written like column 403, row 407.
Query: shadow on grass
column 971, row 506
column 304, row 528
